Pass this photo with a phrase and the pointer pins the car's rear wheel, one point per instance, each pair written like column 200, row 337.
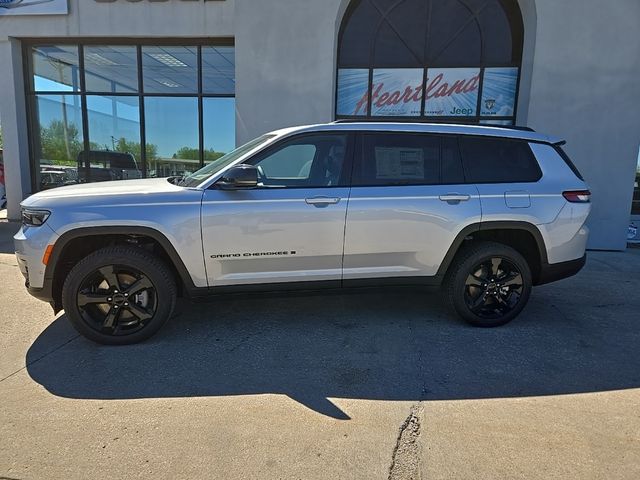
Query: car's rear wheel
column 119, row 295
column 488, row 284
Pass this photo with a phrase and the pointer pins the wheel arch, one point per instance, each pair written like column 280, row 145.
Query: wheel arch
column 523, row 236
column 89, row 238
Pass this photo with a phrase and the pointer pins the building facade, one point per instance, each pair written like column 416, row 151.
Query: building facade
column 114, row 89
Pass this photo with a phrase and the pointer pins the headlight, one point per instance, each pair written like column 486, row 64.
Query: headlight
column 34, row 218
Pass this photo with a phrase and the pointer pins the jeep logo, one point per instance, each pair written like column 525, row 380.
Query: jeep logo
column 461, row 111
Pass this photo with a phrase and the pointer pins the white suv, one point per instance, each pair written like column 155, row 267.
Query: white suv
column 485, row 212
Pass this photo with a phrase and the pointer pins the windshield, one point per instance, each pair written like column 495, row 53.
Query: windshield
column 196, row 178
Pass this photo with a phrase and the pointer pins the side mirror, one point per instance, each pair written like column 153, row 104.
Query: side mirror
column 240, row 177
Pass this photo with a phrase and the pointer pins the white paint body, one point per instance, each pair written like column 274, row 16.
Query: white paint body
column 275, row 235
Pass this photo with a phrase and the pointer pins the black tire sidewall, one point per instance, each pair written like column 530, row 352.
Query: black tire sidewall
column 151, row 266
column 473, row 256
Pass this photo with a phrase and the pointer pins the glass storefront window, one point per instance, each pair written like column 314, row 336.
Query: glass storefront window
column 111, row 69
column 219, row 127
column 440, row 61
column 114, row 140
column 218, row 70
column 143, row 106
column 59, row 139
column 172, row 136
column 170, row 69
column 55, row 68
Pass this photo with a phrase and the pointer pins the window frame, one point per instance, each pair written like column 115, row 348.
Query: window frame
column 359, row 154
column 27, row 45
column 504, row 139
column 347, row 165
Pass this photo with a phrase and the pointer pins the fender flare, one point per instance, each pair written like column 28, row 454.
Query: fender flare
column 156, row 235
column 495, row 225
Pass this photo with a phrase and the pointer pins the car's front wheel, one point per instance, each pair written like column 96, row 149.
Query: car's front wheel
column 119, row 295
column 488, row 284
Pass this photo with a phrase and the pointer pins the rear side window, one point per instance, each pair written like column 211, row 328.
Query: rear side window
column 498, row 160
column 407, row 159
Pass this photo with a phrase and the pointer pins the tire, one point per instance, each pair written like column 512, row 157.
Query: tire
column 488, row 284
column 119, row 295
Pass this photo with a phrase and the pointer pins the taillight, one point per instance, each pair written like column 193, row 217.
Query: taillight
column 577, row 196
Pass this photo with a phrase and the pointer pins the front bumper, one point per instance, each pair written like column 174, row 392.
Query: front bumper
column 30, row 244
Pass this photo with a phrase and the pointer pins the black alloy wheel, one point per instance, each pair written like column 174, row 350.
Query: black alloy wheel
column 493, row 288
column 119, row 295
column 488, row 284
column 117, row 300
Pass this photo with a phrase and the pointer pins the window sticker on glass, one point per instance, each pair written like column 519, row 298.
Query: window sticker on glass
column 499, row 91
column 353, row 91
column 452, row 92
column 397, row 92
column 399, row 163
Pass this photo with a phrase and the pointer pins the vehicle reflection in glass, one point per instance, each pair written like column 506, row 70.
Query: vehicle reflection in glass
column 103, row 166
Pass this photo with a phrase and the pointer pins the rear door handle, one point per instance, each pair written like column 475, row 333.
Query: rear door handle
column 455, row 197
column 322, row 201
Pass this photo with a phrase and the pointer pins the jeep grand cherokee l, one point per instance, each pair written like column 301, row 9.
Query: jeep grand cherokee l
column 484, row 212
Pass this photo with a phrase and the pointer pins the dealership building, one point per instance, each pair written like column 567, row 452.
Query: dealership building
column 161, row 87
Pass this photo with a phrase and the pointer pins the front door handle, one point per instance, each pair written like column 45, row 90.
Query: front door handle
column 321, row 202
column 455, row 198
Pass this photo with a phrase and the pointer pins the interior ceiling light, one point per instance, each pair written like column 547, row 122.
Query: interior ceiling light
column 168, row 83
column 168, row 60
column 98, row 59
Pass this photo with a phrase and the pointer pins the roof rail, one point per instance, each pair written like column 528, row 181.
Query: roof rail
column 519, row 128
column 414, row 120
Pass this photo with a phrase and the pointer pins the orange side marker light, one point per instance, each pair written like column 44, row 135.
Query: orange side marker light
column 47, row 254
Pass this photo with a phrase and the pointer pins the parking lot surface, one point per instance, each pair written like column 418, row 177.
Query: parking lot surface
column 364, row 385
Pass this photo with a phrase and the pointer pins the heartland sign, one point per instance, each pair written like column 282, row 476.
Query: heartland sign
column 448, row 92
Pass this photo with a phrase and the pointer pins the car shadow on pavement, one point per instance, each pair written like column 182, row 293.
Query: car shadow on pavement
column 386, row 346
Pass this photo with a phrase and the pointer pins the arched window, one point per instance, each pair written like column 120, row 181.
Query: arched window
column 441, row 60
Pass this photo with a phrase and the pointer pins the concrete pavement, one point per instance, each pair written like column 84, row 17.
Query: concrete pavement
column 361, row 385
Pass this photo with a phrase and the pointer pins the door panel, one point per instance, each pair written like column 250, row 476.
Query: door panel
column 291, row 228
column 404, row 231
column 407, row 205
column 272, row 235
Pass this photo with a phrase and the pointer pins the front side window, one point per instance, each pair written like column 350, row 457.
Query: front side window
column 309, row 161
column 408, row 159
column 497, row 160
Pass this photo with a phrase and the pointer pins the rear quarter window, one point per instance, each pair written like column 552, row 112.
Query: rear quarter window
column 498, row 160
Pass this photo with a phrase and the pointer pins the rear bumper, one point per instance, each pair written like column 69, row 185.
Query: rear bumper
column 551, row 272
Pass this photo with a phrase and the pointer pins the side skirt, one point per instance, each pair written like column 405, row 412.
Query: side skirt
column 320, row 287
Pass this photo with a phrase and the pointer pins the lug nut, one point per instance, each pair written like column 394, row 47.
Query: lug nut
column 126, row 304
column 109, row 299
column 115, row 306
column 126, row 294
